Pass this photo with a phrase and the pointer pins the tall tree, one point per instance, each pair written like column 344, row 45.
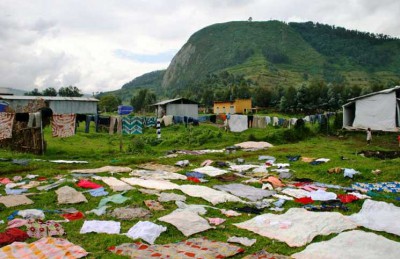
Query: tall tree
column 142, row 100
column 109, row 103
column 50, row 91
column 34, row 92
column 70, row 91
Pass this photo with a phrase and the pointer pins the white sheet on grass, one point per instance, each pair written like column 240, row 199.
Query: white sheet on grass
column 297, row 226
column 115, row 184
column 208, row 194
column 186, row 221
column 297, row 193
column 254, row 145
column 151, row 184
column 210, row 170
column 157, row 175
column 104, row 169
column 146, row 230
column 245, row 191
column 101, row 226
column 378, row 215
column 350, row 245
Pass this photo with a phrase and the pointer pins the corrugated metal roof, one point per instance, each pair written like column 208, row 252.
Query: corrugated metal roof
column 386, row 91
column 174, row 100
column 48, row 98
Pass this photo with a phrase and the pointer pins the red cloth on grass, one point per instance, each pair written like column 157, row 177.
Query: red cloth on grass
column 73, row 216
column 11, row 235
column 304, row 200
column 347, row 198
column 88, row 184
column 193, row 179
column 5, row 181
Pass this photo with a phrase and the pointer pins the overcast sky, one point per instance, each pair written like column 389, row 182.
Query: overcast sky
column 98, row 45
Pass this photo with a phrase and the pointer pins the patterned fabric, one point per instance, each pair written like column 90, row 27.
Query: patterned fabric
column 191, row 248
column 153, row 205
column 150, row 121
column 6, row 124
column 39, row 228
column 44, row 248
column 382, row 186
column 132, row 125
column 63, row 125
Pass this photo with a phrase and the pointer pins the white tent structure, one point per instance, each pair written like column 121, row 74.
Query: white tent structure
column 378, row 111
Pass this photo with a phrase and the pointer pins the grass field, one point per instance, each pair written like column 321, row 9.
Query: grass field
column 101, row 149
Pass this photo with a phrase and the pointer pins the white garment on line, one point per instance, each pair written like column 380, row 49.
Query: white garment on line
column 238, row 123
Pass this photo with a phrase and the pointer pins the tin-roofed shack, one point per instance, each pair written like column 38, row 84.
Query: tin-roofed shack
column 59, row 105
column 177, row 107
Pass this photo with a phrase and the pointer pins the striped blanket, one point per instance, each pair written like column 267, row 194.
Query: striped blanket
column 6, row 124
column 63, row 125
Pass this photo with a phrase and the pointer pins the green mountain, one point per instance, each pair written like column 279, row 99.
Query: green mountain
column 275, row 54
column 151, row 81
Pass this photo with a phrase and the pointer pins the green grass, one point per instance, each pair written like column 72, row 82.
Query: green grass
column 101, row 149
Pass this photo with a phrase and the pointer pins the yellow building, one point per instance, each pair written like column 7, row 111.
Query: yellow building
column 239, row 106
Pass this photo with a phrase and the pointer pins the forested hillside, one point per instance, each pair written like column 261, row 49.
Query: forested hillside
column 275, row 63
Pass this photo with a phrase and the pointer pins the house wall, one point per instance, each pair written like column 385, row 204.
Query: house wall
column 242, row 105
column 377, row 112
column 237, row 106
column 190, row 110
column 223, row 107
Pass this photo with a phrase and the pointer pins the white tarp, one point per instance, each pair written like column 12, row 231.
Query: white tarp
column 297, row 226
column 238, row 123
column 378, row 215
column 350, row 245
column 151, row 184
column 377, row 112
column 208, row 194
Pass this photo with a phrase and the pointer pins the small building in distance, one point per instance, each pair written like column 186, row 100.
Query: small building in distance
column 378, row 111
column 239, row 106
column 59, row 105
column 177, row 107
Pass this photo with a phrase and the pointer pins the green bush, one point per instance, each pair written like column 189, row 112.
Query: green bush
column 138, row 146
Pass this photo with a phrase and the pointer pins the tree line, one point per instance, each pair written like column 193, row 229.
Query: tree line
column 308, row 97
column 67, row 91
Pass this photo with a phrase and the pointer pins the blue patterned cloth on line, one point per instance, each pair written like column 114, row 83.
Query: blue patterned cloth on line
column 150, row 121
column 132, row 125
